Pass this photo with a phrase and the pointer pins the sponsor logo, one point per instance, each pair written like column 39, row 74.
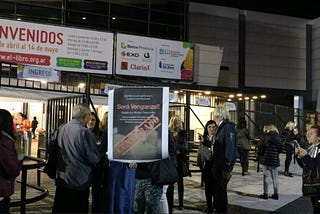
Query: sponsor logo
column 124, row 65
column 140, row 67
column 129, row 54
column 166, row 66
column 123, row 45
column 164, row 51
column 146, row 55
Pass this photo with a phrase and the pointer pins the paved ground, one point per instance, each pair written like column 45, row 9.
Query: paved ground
column 243, row 192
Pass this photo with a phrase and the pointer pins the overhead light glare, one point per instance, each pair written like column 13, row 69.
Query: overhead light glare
column 81, row 85
column 263, row 96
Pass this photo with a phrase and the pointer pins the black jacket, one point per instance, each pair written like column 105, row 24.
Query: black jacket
column 272, row 143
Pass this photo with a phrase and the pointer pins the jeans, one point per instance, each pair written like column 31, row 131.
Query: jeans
column 270, row 172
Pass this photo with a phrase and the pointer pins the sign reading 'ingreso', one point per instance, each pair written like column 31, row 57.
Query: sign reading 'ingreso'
column 150, row 57
column 61, row 48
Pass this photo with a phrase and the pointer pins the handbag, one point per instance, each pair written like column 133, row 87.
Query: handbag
column 164, row 172
column 311, row 183
column 184, row 169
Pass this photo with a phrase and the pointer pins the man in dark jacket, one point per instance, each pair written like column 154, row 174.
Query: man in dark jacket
column 224, row 157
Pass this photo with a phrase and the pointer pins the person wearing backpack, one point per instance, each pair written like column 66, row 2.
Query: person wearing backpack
column 77, row 156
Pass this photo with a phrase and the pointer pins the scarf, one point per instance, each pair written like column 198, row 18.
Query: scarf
column 314, row 150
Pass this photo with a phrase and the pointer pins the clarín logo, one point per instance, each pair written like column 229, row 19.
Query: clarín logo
column 123, row 45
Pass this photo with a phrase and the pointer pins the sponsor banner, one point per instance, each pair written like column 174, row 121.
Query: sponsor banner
column 38, row 73
column 61, row 48
column 138, row 124
column 151, row 57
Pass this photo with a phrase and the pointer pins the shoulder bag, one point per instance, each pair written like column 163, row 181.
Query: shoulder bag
column 164, row 172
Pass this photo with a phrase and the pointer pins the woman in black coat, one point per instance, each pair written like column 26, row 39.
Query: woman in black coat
column 270, row 160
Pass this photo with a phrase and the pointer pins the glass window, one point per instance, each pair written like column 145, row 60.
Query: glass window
column 137, row 13
column 9, row 9
column 39, row 13
column 130, row 26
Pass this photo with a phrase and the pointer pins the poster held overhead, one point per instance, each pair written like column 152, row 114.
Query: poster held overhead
column 138, row 124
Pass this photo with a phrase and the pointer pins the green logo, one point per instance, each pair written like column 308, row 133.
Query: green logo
column 123, row 45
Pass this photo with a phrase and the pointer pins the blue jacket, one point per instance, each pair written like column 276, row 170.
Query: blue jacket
column 225, row 146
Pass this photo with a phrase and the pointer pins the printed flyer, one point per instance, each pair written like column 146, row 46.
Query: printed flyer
column 138, row 124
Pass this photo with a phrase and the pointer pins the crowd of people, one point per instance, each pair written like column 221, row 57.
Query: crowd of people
column 118, row 187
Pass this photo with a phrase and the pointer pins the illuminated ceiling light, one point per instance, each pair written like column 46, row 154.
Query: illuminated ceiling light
column 246, row 98
column 43, row 81
column 200, row 94
column 263, row 96
column 19, row 19
column 176, row 92
column 252, row 100
column 254, row 97
column 84, row 18
column 181, row 91
column 113, row 18
column 207, row 92
column 81, row 85
column 229, row 99
column 239, row 95
column 240, row 98
column 231, row 96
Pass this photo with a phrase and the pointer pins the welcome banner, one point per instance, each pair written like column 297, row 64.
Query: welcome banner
column 61, row 48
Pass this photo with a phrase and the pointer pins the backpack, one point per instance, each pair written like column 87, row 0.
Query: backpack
column 51, row 166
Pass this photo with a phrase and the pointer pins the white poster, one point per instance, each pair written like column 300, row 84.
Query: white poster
column 138, row 124
column 61, row 48
column 151, row 57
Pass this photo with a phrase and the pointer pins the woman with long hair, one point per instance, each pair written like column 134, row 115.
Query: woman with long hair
column 10, row 161
column 181, row 150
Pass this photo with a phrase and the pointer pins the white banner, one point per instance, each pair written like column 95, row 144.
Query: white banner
column 151, row 57
column 62, row 48
column 38, row 73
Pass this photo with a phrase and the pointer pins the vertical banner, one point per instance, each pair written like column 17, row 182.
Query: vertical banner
column 138, row 124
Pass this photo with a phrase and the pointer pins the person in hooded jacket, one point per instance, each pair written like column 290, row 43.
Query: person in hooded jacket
column 273, row 144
